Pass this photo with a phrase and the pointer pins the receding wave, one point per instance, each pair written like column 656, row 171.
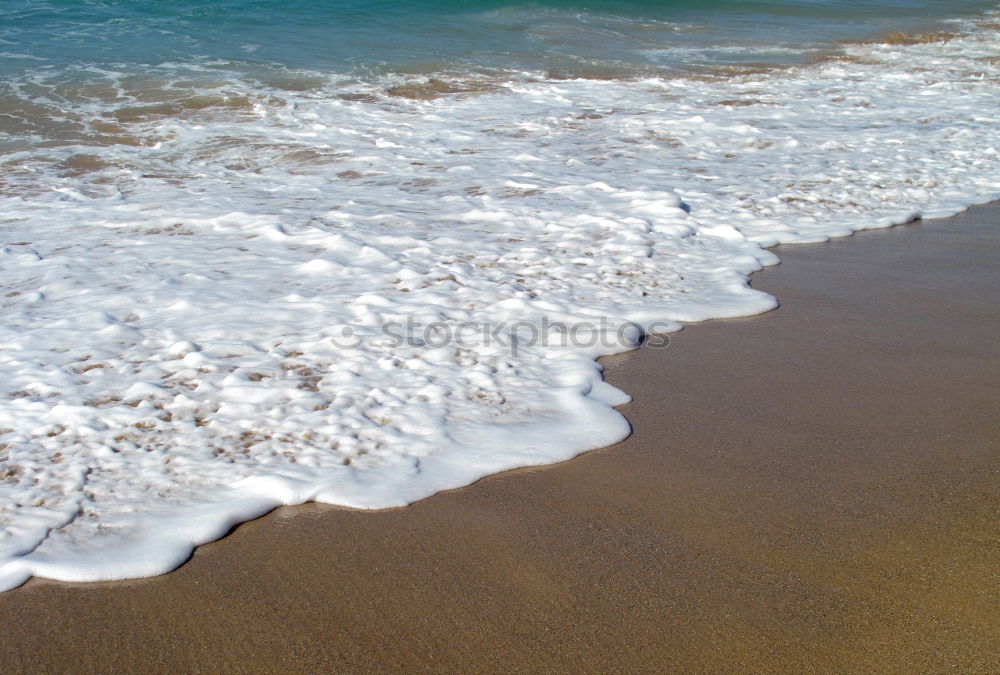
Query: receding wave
column 228, row 287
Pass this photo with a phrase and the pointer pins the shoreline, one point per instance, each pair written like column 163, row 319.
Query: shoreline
column 809, row 488
column 207, row 368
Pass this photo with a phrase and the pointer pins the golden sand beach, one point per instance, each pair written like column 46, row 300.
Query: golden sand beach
column 812, row 490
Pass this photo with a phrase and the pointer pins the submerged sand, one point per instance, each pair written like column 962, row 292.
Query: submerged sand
column 815, row 489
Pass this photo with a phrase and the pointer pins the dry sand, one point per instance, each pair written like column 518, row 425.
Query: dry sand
column 816, row 489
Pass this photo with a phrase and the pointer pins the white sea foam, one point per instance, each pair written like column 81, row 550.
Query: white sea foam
column 202, row 306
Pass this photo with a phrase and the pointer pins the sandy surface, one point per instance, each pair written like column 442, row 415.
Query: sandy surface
column 816, row 489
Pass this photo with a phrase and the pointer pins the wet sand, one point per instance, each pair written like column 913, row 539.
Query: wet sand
column 812, row 490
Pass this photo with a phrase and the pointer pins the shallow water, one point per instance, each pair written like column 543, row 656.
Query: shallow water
column 364, row 255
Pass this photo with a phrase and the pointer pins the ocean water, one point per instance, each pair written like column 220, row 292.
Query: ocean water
column 261, row 253
column 366, row 37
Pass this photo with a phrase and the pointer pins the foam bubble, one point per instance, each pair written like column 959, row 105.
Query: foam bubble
column 338, row 294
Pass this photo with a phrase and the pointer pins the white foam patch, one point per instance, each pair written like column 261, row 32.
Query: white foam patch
column 216, row 311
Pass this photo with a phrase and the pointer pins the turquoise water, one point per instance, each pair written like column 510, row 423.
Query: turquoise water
column 362, row 37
